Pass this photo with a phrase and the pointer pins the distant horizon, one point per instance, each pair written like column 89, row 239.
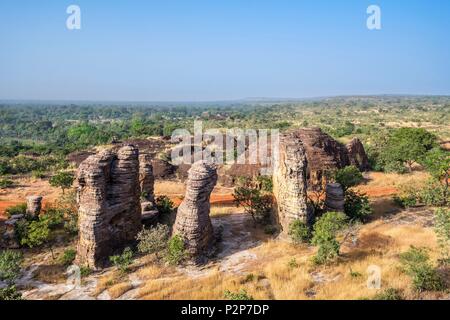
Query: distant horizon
column 240, row 100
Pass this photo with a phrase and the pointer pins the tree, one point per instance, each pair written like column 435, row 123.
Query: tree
column 348, row 177
column 256, row 203
column 437, row 163
column 324, row 236
column 63, row 180
column 408, row 146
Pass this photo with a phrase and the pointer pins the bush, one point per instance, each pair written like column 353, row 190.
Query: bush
column 299, row 232
column 68, row 257
column 35, row 234
column 324, row 236
column 153, row 240
column 164, row 205
column 416, row 264
column 255, row 202
column 292, row 264
column 241, row 295
column 348, row 177
column 10, row 262
column 175, row 252
column 10, row 293
column 389, row 294
column 405, row 201
column 38, row 174
column 442, row 229
column 5, row 183
column 357, row 206
column 123, row 261
column 17, row 209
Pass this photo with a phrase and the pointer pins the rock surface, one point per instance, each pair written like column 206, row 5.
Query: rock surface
column 108, row 204
column 334, row 197
column 147, row 185
column 289, row 182
column 357, row 155
column 34, row 205
column 323, row 154
column 193, row 223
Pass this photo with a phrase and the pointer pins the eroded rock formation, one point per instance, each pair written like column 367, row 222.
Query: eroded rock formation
column 108, row 204
column 357, row 155
column 289, row 182
column 193, row 223
column 147, row 185
column 34, row 205
column 323, row 154
column 334, row 197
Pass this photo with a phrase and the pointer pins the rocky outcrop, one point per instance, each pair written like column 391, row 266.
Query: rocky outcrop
column 357, row 155
column 147, row 185
column 34, row 205
column 109, row 212
column 193, row 223
column 9, row 238
column 334, row 197
column 289, row 182
column 323, row 153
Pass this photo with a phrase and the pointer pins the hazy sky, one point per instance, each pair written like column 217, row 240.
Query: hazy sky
column 217, row 50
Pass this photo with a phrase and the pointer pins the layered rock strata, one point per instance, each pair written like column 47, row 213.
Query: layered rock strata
column 193, row 223
column 334, row 197
column 289, row 183
column 108, row 204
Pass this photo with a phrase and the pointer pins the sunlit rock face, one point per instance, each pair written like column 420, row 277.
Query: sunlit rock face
column 109, row 209
column 289, row 183
column 193, row 223
column 357, row 155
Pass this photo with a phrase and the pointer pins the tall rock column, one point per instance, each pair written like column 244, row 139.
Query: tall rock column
column 357, row 155
column 334, row 197
column 109, row 211
column 147, row 183
column 289, row 182
column 193, row 223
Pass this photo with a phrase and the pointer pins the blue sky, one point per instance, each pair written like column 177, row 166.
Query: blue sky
column 219, row 50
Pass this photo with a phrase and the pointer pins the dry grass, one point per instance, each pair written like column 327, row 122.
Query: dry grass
column 119, row 289
column 272, row 276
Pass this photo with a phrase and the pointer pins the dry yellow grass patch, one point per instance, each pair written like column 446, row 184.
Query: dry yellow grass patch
column 166, row 187
column 224, row 210
column 119, row 289
column 108, row 280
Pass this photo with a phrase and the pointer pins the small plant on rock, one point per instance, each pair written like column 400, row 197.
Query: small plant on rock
column 123, row 261
column 176, row 251
column 299, row 232
column 241, row 295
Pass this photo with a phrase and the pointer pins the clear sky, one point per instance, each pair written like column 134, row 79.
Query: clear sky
column 177, row 50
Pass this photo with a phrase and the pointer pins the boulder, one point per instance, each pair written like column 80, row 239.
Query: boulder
column 34, row 205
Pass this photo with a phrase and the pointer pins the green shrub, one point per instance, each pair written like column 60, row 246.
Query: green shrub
column 53, row 217
column 123, row 261
column 17, row 209
column 324, row 236
column 299, row 232
column 241, row 295
column 10, row 262
column 5, row 183
column 164, row 205
column 357, row 206
column 10, row 293
column 405, row 201
column 35, row 234
column 38, row 174
column 68, row 257
column 255, row 202
column 348, row 177
column 85, row 271
column 153, row 240
column 175, row 252
column 424, row 276
column 389, row 294
column 442, row 229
